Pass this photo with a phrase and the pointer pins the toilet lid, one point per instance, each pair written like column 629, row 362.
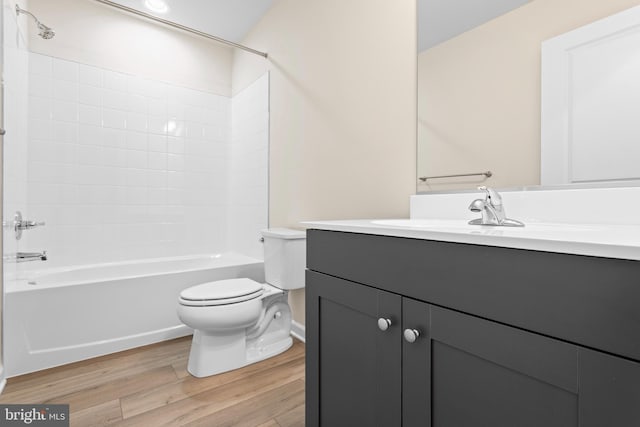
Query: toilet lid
column 221, row 292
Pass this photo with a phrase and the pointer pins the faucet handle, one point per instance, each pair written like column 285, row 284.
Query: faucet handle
column 493, row 196
column 26, row 225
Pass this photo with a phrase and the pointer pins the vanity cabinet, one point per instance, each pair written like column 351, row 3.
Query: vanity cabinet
column 475, row 366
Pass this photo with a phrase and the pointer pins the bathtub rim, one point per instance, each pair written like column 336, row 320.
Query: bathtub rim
column 14, row 285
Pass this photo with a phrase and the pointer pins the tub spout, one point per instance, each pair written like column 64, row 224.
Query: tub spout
column 31, row 256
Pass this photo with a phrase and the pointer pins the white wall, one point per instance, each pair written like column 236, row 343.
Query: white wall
column 98, row 35
column 249, row 168
column 342, row 109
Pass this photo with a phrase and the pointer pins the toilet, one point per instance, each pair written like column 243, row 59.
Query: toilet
column 237, row 322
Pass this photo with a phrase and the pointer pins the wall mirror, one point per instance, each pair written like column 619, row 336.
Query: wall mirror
column 486, row 112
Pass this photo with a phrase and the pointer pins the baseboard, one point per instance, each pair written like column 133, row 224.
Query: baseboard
column 2, row 384
column 297, row 330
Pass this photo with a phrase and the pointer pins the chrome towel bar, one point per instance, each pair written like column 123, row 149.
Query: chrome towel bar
column 487, row 174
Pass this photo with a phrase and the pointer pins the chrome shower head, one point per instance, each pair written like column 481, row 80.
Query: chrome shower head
column 45, row 32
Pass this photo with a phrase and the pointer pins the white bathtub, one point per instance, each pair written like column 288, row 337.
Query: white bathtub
column 65, row 315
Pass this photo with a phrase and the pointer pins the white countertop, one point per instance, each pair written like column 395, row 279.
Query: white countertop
column 601, row 240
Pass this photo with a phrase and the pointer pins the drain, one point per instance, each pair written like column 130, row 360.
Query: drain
column 32, row 282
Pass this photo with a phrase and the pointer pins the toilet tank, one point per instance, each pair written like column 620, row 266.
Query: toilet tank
column 284, row 257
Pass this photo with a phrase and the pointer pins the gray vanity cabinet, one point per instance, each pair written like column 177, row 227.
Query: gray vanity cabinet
column 441, row 367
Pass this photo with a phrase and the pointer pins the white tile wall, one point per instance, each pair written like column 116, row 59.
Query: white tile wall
column 249, row 168
column 122, row 167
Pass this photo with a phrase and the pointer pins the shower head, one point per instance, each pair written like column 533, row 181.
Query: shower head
column 45, row 32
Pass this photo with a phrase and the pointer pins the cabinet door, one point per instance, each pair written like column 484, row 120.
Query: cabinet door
column 353, row 372
column 609, row 390
column 466, row 371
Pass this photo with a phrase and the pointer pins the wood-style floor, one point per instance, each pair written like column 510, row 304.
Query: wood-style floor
column 150, row 387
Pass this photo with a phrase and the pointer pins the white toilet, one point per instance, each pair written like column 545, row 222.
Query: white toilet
column 237, row 322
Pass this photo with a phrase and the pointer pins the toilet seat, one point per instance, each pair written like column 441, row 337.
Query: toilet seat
column 221, row 292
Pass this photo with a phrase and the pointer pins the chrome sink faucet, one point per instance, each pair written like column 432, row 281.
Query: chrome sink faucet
column 492, row 210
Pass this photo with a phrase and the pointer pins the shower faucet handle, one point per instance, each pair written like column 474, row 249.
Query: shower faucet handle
column 26, row 225
column 20, row 224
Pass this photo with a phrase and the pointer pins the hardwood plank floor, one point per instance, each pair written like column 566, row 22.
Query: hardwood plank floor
column 150, row 386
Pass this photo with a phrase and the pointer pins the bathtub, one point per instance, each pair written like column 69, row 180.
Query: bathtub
column 61, row 316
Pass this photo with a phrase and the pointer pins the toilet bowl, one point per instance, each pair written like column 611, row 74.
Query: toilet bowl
column 237, row 322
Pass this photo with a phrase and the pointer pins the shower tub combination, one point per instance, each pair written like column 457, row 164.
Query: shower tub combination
column 61, row 316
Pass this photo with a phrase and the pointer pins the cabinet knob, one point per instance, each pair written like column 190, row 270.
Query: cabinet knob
column 383, row 324
column 411, row 335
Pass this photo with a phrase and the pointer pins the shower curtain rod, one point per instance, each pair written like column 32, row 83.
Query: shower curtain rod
column 181, row 27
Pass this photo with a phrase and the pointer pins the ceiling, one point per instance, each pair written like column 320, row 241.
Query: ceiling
column 228, row 19
column 441, row 20
column 438, row 20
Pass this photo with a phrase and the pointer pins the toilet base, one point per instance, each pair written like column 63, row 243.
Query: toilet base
column 213, row 354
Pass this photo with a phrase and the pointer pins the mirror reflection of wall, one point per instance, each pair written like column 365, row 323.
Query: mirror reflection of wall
column 479, row 91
